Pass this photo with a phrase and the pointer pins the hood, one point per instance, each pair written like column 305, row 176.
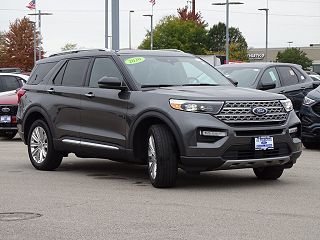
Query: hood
column 8, row 98
column 216, row 93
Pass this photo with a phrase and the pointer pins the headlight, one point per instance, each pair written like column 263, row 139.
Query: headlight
column 196, row 106
column 308, row 101
column 287, row 104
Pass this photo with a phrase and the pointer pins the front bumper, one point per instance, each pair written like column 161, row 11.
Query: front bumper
column 237, row 149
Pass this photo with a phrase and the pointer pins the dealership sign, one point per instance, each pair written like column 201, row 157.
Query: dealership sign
column 256, row 56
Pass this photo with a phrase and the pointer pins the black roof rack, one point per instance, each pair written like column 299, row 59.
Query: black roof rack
column 77, row 51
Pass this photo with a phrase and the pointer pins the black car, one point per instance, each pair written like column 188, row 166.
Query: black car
column 284, row 78
column 165, row 109
column 310, row 118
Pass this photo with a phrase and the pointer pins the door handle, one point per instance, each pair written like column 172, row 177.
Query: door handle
column 89, row 95
column 51, row 90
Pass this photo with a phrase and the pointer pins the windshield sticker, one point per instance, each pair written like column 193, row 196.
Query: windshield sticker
column 291, row 73
column 135, row 60
column 273, row 77
column 256, row 70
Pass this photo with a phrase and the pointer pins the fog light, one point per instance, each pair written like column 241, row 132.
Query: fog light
column 207, row 133
column 293, row 130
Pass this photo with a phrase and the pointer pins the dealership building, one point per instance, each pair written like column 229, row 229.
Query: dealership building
column 258, row 54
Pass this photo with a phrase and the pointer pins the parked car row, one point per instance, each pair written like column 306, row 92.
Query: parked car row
column 9, row 83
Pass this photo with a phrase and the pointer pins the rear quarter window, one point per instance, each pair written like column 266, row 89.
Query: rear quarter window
column 40, row 71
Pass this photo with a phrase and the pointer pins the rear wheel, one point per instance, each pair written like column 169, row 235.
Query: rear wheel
column 8, row 135
column 268, row 173
column 40, row 147
column 162, row 157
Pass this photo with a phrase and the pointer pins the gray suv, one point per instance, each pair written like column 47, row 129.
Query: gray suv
column 165, row 109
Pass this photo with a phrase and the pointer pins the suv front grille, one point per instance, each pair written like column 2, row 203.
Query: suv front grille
column 12, row 110
column 316, row 108
column 240, row 112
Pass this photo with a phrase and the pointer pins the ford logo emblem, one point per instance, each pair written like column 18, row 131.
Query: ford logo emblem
column 5, row 110
column 259, row 111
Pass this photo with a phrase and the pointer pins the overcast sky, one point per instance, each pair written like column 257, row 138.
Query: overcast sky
column 82, row 21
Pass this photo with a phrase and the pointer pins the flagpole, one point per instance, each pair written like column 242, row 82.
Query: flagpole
column 151, row 37
column 35, row 35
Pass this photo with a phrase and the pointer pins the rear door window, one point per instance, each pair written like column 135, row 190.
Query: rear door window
column 288, row 76
column 75, row 72
column 40, row 72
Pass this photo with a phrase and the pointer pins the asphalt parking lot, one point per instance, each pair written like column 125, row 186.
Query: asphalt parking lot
column 100, row 199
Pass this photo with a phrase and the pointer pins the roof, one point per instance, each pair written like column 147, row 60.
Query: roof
column 256, row 65
column 25, row 77
column 102, row 52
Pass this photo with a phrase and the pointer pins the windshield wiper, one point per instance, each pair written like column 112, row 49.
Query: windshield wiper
column 200, row 84
column 159, row 85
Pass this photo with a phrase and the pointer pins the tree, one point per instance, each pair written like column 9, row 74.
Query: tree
column 216, row 40
column 186, row 15
column 69, row 47
column 294, row 55
column 18, row 45
column 2, row 34
column 174, row 33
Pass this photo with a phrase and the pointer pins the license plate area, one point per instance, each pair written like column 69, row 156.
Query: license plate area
column 263, row 143
column 5, row 119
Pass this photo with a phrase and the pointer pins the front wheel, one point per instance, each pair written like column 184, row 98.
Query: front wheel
column 40, row 147
column 268, row 173
column 162, row 157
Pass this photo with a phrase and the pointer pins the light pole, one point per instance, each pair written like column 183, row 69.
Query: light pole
column 227, row 3
column 34, row 41
column 131, row 11
column 39, row 15
column 267, row 24
column 290, row 43
column 151, row 33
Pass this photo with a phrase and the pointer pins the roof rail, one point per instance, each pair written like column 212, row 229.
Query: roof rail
column 172, row 50
column 78, row 51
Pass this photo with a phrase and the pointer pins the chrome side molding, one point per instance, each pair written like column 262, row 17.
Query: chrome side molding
column 89, row 144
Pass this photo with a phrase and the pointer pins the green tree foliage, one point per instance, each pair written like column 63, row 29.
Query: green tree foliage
column 69, row 47
column 294, row 55
column 216, row 40
column 18, row 45
column 174, row 33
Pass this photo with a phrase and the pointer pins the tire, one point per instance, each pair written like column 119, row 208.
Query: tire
column 8, row 135
column 310, row 145
column 268, row 173
column 40, row 147
column 162, row 157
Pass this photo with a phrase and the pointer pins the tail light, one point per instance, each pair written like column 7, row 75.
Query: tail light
column 20, row 93
column 13, row 119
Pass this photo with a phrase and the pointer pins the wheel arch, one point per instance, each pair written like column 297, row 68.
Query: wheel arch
column 33, row 114
column 140, row 128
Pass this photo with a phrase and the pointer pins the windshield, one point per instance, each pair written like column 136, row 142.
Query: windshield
column 244, row 75
column 160, row 71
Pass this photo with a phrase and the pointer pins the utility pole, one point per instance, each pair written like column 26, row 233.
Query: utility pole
column 194, row 8
column 115, row 25
column 106, row 25
column 267, row 23
column 39, row 26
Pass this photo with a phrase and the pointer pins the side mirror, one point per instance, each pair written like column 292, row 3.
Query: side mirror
column 267, row 85
column 111, row 82
column 233, row 81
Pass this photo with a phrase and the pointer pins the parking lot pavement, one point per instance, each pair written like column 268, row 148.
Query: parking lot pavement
column 99, row 199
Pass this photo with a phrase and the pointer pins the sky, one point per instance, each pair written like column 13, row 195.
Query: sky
column 82, row 21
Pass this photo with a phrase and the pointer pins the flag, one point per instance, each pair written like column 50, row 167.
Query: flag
column 153, row 2
column 32, row 5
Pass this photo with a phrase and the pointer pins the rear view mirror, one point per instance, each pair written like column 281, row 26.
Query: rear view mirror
column 267, row 85
column 111, row 82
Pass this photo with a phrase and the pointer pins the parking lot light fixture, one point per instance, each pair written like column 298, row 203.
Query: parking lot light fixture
column 151, row 27
column 267, row 24
column 227, row 3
